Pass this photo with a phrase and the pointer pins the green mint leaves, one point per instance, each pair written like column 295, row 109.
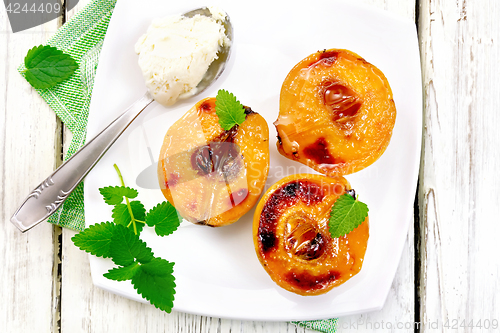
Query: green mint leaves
column 126, row 248
column 229, row 110
column 113, row 195
column 346, row 215
column 47, row 66
column 96, row 239
column 155, row 282
column 123, row 273
column 119, row 240
column 132, row 215
column 163, row 217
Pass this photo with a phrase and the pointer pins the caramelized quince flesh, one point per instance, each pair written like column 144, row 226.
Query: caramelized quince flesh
column 336, row 113
column 210, row 175
column 292, row 239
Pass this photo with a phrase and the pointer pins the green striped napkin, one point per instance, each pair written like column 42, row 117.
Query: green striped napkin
column 82, row 38
column 324, row 325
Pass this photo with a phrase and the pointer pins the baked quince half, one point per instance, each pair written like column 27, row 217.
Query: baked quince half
column 210, row 175
column 292, row 238
column 336, row 113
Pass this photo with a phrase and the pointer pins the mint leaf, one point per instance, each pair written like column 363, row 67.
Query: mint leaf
column 47, row 66
column 95, row 239
column 113, row 195
column 122, row 273
column 164, row 218
column 229, row 110
column 121, row 215
column 346, row 215
column 158, row 267
column 156, row 283
column 126, row 247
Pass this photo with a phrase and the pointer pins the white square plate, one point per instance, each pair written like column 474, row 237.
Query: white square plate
column 217, row 271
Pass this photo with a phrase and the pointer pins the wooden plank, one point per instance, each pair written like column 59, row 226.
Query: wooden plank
column 458, row 190
column 86, row 308
column 28, row 147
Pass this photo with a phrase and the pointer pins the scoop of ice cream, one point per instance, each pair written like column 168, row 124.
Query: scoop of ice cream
column 176, row 51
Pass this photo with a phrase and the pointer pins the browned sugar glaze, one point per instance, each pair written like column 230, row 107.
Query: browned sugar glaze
column 336, row 113
column 292, row 238
column 213, row 176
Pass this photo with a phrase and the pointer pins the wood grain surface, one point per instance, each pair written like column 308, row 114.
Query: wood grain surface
column 459, row 192
column 449, row 268
column 29, row 144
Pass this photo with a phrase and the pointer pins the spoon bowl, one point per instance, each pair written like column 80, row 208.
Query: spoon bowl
column 218, row 65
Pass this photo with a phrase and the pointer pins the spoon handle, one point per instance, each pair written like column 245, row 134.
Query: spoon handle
column 53, row 191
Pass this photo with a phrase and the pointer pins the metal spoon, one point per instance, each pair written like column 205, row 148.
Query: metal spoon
column 53, row 191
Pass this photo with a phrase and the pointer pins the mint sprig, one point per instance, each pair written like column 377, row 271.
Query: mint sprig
column 229, row 110
column 119, row 240
column 346, row 215
column 132, row 215
column 46, row 66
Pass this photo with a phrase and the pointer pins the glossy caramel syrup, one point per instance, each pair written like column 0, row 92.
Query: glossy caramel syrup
column 336, row 113
column 292, row 238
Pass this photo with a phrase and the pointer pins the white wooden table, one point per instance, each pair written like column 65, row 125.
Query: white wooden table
column 450, row 267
